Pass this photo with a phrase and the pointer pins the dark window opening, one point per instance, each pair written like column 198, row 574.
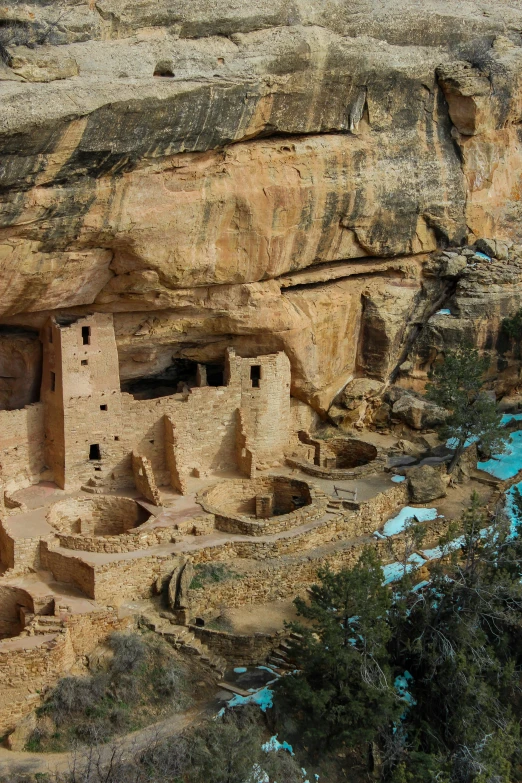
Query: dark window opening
column 53, row 381
column 151, row 441
column 86, row 335
column 84, row 362
column 97, row 468
column 199, row 622
column 94, row 451
column 103, row 407
column 179, row 376
column 255, row 375
column 215, row 374
column 116, row 437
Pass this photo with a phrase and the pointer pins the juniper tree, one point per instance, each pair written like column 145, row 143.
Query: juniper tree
column 457, row 385
column 342, row 694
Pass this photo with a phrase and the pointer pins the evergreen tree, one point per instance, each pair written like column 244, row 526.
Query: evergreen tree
column 460, row 640
column 457, row 384
column 342, row 695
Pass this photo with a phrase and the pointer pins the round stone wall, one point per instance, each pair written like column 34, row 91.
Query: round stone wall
column 346, row 453
column 340, row 458
column 105, row 523
column 262, row 506
column 101, row 515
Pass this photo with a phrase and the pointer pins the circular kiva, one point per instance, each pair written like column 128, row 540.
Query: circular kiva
column 339, row 458
column 262, row 506
column 105, row 523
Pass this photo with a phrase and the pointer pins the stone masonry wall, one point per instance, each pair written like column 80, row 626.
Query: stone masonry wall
column 30, row 664
column 239, row 648
column 21, row 447
column 135, row 577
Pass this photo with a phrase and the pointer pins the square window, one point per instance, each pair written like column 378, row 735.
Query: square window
column 116, row 437
column 103, row 407
column 255, row 375
column 94, row 451
column 85, row 362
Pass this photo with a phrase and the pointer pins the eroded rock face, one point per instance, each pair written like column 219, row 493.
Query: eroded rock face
column 265, row 176
column 425, row 484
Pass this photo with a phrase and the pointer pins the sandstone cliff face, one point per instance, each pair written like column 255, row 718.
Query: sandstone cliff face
column 267, row 176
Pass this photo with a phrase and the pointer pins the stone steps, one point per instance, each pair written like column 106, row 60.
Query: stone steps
column 184, row 640
column 281, row 658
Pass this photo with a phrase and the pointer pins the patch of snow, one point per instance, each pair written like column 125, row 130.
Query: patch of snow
column 273, row 744
column 395, row 571
column 263, row 699
column 401, row 685
column 507, row 417
column 399, row 523
column 510, row 510
column 437, row 552
column 420, row 586
column 506, row 465
column 398, row 479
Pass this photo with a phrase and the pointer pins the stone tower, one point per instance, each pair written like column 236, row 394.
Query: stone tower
column 81, row 395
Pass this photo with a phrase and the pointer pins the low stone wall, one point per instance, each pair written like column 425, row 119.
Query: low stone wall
column 239, row 648
column 68, row 569
column 338, row 474
column 20, row 554
column 228, row 499
column 11, row 599
column 272, row 580
column 126, row 542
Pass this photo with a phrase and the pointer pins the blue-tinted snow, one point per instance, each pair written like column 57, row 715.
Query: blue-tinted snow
column 437, row 552
column 507, row 417
column 262, row 698
column 398, row 479
column 398, row 523
column 395, row 571
column 401, row 685
column 273, row 744
column 506, row 465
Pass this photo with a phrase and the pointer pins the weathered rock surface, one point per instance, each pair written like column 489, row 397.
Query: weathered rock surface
column 264, row 176
column 417, row 413
column 425, row 484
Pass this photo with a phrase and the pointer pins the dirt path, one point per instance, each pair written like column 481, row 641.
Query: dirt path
column 20, row 763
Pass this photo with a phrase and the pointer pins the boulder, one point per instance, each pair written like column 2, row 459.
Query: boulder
column 453, row 267
column 425, row 484
column 417, row 413
column 185, row 580
column 174, row 586
column 355, row 392
column 21, row 735
column 409, row 448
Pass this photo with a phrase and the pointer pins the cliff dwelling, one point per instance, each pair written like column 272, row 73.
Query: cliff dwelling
column 239, row 241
